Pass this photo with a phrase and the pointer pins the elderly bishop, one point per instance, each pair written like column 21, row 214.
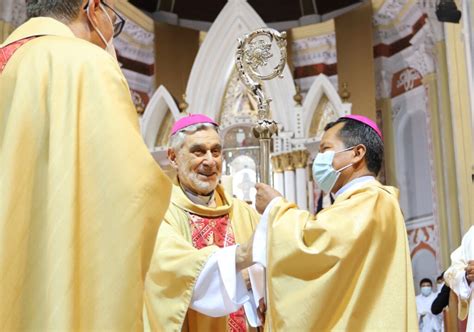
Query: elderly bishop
column 197, row 279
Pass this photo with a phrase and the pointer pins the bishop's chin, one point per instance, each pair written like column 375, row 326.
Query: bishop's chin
column 204, row 187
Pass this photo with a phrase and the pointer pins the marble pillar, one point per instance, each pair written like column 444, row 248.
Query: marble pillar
column 300, row 158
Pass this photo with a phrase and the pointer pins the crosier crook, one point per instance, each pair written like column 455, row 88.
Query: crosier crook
column 252, row 54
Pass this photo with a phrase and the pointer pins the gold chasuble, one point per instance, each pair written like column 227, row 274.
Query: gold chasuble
column 347, row 269
column 81, row 199
column 176, row 263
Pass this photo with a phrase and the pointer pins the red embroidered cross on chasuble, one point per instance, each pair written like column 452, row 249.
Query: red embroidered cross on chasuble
column 217, row 231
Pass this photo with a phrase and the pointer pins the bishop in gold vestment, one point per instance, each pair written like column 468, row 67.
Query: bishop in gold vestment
column 81, row 198
column 348, row 268
column 194, row 283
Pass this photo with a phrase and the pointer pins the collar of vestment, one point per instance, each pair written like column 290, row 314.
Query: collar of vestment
column 200, row 199
column 357, row 182
column 39, row 26
column 360, row 184
column 180, row 199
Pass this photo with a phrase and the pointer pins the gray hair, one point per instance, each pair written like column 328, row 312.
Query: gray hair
column 177, row 140
column 63, row 10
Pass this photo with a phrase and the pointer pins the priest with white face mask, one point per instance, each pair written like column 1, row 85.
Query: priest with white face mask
column 81, row 198
column 348, row 268
column 426, row 320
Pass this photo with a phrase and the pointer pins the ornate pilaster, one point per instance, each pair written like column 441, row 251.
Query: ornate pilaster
column 289, row 175
column 287, row 162
column 277, row 163
column 300, row 158
column 278, row 177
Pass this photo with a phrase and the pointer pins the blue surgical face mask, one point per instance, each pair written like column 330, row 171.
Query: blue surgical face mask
column 324, row 173
column 426, row 290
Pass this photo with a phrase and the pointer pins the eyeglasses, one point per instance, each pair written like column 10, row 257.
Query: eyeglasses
column 119, row 21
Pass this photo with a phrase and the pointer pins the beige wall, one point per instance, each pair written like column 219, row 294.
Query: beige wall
column 355, row 61
column 176, row 49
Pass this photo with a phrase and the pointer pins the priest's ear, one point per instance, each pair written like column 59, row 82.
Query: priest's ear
column 172, row 158
column 92, row 6
column 99, row 22
column 359, row 153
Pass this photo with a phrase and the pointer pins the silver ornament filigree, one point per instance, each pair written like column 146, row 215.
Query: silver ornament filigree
column 253, row 53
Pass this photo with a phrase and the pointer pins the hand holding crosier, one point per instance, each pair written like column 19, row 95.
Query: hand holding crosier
column 265, row 194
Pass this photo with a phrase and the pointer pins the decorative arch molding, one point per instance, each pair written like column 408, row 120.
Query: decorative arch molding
column 215, row 61
column 322, row 87
column 154, row 115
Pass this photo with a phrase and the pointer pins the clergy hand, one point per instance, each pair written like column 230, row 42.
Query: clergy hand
column 265, row 194
column 244, row 255
column 470, row 271
column 246, row 277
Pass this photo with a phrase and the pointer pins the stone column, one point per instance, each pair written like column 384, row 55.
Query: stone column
column 300, row 158
column 289, row 175
column 310, row 186
column 311, row 206
column 278, row 178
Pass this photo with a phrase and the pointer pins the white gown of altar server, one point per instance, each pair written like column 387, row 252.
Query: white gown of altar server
column 456, row 280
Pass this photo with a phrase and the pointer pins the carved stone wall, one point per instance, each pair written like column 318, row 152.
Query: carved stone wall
column 135, row 48
column 405, row 34
column 312, row 56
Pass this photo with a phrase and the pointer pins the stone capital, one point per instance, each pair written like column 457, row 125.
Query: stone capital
column 300, row 158
column 287, row 161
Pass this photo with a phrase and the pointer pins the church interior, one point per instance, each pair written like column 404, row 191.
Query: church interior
column 394, row 61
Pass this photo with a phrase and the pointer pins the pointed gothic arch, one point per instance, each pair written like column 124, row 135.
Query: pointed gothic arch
column 322, row 89
column 155, row 114
column 215, row 61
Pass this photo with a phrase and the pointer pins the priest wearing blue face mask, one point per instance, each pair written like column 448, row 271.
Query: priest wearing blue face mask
column 426, row 320
column 347, row 268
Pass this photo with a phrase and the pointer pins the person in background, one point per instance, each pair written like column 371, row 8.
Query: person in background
column 439, row 283
column 426, row 320
column 441, row 301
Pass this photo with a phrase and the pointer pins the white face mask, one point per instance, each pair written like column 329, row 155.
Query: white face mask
column 324, row 173
column 426, row 290
column 109, row 45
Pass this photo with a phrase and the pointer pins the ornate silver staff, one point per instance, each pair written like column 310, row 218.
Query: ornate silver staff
column 253, row 52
